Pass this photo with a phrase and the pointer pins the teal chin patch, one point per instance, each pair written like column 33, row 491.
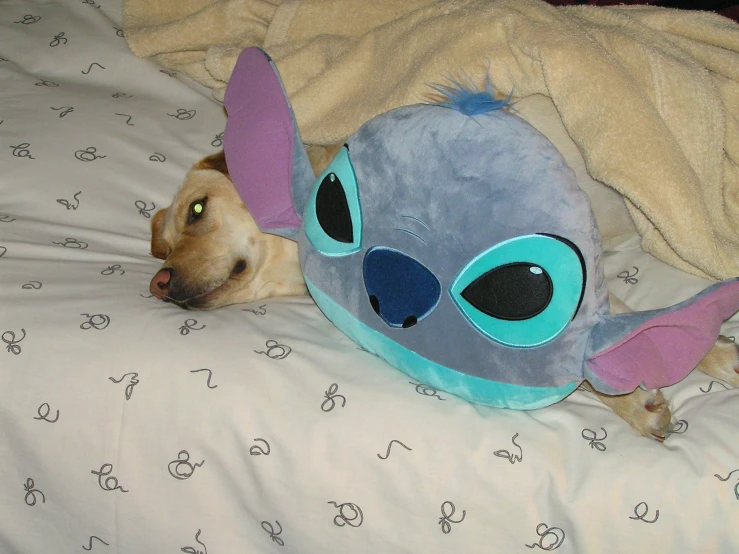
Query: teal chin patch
column 473, row 389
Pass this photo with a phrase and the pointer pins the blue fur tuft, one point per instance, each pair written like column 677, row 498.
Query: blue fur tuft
column 468, row 99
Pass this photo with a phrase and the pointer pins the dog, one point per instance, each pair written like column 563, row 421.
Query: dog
column 216, row 255
column 213, row 250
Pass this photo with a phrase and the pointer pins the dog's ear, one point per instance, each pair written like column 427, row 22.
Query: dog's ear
column 266, row 158
column 214, row 161
column 321, row 156
column 657, row 348
column 159, row 248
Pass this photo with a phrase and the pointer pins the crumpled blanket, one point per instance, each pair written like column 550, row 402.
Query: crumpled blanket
column 649, row 95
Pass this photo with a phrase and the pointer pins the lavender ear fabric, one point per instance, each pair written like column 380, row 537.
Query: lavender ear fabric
column 264, row 153
column 660, row 347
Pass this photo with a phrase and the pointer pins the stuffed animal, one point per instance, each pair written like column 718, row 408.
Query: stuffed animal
column 452, row 240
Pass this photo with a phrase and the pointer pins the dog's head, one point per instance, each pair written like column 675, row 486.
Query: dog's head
column 214, row 253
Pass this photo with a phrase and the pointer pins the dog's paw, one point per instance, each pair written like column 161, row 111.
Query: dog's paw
column 647, row 411
column 722, row 361
column 652, row 416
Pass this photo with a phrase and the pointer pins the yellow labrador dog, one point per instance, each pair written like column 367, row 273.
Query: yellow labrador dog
column 216, row 255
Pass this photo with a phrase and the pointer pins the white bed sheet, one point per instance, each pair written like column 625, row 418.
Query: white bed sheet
column 128, row 425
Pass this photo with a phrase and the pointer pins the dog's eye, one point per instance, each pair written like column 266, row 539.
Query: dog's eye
column 197, row 209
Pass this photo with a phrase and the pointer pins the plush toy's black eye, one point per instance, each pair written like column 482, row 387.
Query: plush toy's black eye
column 512, row 292
column 197, row 209
column 332, row 210
column 333, row 214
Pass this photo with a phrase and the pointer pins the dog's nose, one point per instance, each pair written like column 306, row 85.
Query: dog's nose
column 401, row 290
column 159, row 285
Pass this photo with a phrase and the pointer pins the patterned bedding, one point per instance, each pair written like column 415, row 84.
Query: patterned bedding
column 128, row 425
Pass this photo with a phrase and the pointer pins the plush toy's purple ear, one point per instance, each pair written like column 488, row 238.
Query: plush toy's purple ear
column 264, row 154
column 659, row 347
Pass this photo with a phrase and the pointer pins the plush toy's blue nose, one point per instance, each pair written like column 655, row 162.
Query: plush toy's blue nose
column 400, row 289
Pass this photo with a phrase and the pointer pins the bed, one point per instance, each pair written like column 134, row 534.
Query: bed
column 128, row 425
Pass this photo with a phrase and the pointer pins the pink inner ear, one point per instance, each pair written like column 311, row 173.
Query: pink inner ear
column 259, row 141
column 663, row 350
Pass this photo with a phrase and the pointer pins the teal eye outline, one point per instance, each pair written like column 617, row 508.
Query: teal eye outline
column 342, row 167
column 565, row 268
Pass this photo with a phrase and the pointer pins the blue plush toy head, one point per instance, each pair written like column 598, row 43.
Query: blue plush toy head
column 453, row 241
column 460, row 249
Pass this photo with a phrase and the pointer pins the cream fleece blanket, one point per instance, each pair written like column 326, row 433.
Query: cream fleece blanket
column 649, row 95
